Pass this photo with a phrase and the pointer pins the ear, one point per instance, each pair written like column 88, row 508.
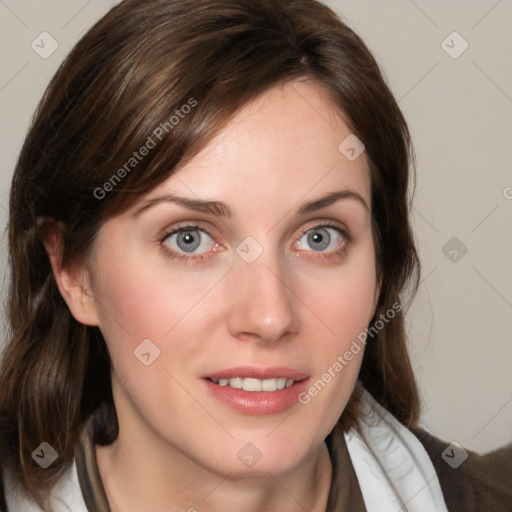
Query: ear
column 73, row 280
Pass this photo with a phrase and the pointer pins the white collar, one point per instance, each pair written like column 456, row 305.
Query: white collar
column 394, row 470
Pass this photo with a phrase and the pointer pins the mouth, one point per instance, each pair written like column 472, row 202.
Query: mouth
column 257, row 391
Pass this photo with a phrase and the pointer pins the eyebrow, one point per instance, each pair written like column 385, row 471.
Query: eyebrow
column 220, row 209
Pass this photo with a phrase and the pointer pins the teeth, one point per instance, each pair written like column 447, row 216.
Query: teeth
column 250, row 384
column 237, row 382
column 269, row 385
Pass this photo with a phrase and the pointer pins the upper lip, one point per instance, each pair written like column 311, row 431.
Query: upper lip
column 254, row 372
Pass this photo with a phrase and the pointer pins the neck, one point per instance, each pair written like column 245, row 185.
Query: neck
column 152, row 475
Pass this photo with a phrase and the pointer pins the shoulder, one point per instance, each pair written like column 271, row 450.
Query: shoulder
column 66, row 495
column 471, row 482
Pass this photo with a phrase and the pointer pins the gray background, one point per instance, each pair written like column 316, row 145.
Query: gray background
column 460, row 114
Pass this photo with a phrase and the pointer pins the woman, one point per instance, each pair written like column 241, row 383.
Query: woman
column 210, row 246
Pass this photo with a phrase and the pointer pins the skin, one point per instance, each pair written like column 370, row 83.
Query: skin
column 177, row 446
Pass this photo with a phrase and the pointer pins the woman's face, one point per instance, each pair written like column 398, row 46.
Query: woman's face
column 264, row 296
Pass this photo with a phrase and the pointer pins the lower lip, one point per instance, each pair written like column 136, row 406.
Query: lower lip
column 257, row 402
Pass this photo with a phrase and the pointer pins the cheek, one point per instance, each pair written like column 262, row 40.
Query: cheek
column 344, row 301
column 130, row 304
column 343, row 297
column 141, row 296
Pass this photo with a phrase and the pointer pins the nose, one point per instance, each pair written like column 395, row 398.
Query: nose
column 262, row 302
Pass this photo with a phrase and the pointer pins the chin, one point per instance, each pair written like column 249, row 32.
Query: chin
column 261, row 453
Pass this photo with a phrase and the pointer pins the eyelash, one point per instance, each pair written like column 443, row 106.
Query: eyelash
column 330, row 256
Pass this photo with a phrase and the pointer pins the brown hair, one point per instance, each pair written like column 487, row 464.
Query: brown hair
column 127, row 76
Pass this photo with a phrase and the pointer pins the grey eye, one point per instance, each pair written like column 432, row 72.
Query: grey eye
column 320, row 238
column 188, row 240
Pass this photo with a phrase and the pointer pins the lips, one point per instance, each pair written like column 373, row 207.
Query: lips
column 257, row 391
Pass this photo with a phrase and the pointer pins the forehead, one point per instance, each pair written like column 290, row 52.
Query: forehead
column 283, row 146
